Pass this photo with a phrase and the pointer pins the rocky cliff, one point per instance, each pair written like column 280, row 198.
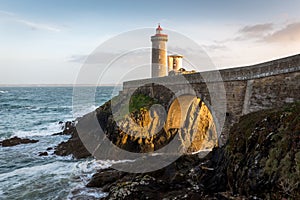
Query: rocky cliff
column 260, row 161
column 143, row 128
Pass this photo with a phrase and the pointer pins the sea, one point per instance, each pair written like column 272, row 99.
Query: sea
column 35, row 113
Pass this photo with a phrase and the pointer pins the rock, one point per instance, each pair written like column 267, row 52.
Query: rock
column 73, row 147
column 261, row 160
column 68, row 128
column 43, row 153
column 172, row 182
column 104, row 177
column 49, row 148
column 59, row 133
column 16, row 141
column 263, row 154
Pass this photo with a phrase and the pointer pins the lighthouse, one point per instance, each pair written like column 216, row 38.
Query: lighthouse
column 159, row 53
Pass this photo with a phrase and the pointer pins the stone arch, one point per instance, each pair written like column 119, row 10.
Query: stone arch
column 194, row 122
column 178, row 110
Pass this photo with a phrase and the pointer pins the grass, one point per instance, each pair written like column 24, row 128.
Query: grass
column 140, row 102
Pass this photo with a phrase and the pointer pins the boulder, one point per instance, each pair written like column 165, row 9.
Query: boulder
column 45, row 153
column 16, row 141
column 73, row 146
column 67, row 129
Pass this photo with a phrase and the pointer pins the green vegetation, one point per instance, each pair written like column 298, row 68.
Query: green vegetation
column 140, row 102
column 134, row 107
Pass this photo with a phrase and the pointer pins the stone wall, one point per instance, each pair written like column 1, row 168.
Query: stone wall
column 271, row 68
column 274, row 91
column 248, row 89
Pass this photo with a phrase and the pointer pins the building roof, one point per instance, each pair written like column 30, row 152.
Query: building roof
column 159, row 28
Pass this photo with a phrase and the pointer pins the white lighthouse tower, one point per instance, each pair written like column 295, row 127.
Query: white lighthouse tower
column 159, row 53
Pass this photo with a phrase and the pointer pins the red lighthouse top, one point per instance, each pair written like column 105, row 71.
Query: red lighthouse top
column 159, row 30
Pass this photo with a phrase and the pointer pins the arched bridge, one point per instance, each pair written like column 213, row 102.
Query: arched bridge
column 247, row 89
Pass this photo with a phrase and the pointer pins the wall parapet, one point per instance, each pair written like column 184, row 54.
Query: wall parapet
column 270, row 68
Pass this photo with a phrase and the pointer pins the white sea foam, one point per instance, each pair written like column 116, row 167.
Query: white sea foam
column 35, row 180
column 84, row 171
column 3, row 91
column 40, row 131
column 28, row 172
column 88, row 193
column 33, row 108
column 80, row 111
column 92, row 165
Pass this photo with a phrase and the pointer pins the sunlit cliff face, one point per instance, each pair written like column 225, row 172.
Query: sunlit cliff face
column 149, row 127
column 194, row 123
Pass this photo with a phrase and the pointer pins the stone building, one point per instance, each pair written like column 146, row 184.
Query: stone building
column 174, row 62
column 162, row 63
column 159, row 53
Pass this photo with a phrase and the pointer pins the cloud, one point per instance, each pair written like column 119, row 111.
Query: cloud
column 265, row 33
column 216, row 47
column 257, row 29
column 288, row 34
column 38, row 26
column 249, row 32
column 31, row 24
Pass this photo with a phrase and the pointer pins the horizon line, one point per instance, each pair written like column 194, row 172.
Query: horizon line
column 58, row 85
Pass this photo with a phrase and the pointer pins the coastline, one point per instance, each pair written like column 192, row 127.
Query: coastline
column 216, row 175
column 223, row 174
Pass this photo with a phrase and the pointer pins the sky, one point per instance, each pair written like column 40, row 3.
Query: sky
column 48, row 42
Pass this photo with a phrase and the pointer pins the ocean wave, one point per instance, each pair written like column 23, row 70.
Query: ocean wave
column 82, row 192
column 81, row 111
column 50, row 168
column 35, row 181
column 84, row 171
column 87, row 168
column 40, row 131
column 3, row 91
column 32, row 108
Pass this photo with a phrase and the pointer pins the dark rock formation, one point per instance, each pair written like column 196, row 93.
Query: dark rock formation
column 104, row 177
column 260, row 161
column 73, row 147
column 45, row 153
column 264, row 154
column 68, row 128
column 188, row 178
column 16, row 141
